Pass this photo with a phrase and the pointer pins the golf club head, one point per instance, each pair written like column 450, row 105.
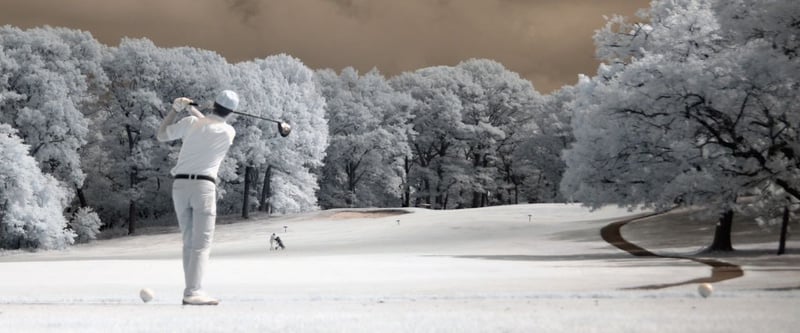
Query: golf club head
column 284, row 129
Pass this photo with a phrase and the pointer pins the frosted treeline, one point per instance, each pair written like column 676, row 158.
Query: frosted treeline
column 697, row 106
column 82, row 119
column 87, row 115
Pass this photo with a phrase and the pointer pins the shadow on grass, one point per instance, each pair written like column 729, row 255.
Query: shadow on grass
column 720, row 270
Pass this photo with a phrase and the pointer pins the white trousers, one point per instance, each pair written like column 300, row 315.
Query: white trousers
column 196, row 207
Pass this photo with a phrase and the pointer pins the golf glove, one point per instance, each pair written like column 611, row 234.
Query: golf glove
column 180, row 103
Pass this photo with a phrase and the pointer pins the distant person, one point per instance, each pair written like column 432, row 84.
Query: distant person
column 272, row 242
column 280, row 243
column 205, row 142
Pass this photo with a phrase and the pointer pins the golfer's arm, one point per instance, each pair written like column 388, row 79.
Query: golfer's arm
column 196, row 112
column 162, row 130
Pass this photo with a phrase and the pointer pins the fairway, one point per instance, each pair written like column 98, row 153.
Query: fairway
column 516, row 268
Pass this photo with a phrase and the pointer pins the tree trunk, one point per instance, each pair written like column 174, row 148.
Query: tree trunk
column 406, row 187
column 722, row 233
column 516, row 194
column 2, row 216
column 132, row 206
column 784, row 230
column 476, row 199
column 131, row 217
column 81, row 196
column 132, row 183
column 265, row 205
column 246, row 193
column 428, row 195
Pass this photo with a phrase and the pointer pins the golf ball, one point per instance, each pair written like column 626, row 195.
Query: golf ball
column 147, row 294
column 705, row 289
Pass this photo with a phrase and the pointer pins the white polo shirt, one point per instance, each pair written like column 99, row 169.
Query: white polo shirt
column 205, row 143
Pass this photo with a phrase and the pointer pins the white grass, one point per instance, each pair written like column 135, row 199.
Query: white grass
column 476, row 270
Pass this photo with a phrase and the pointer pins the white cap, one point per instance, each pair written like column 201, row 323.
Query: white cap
column 228, row 99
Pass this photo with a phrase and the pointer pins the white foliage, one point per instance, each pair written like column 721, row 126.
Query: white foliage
column 686, row 112
column 49, row 75
column 278, row 87
column 31, row 203
column 135, row 167
column 470, row 119
column 367, row 124
column 86, row 225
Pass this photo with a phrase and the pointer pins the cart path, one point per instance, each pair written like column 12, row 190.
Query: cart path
column 720, row 270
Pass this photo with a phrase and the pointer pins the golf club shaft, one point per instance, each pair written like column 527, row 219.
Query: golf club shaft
column 246, row 114
column 257, row 117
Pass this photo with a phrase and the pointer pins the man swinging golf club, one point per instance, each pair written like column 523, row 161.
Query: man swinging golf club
column 194, row 192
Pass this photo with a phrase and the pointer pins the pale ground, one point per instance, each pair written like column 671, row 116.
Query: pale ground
column 523, row 268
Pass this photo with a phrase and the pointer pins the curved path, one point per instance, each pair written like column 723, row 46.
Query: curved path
column 720, row 270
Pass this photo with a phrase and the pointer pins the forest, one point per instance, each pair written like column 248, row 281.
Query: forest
column 694, row 104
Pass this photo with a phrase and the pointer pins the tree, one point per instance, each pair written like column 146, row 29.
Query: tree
column 86, row 225
column 435, row 126
column 31, row 202
column 144, row 81
column 368, row 142
column 685, row 113
column 277, row 87
column 469, row 124
column 535, row 168
column 499, row 109
column 50, row 78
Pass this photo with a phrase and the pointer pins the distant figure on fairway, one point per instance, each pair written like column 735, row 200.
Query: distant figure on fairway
column 280, row 243
column 272, row 242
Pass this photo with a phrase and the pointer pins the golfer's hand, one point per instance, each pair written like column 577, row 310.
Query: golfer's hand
column 180, row 103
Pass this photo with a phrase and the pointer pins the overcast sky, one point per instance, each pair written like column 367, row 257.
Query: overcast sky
column 547, row 41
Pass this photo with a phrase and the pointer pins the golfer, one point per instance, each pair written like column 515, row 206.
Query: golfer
column 194, row 192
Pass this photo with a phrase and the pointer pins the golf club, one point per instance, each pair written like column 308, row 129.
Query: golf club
column 283, row 127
